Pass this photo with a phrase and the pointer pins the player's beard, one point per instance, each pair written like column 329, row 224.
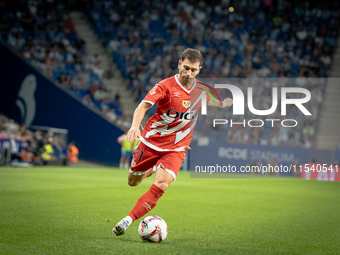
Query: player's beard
column 187, row 79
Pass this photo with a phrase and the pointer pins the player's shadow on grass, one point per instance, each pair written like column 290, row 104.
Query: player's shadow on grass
column 140, row 241
column 129, row 240
column 199, row 247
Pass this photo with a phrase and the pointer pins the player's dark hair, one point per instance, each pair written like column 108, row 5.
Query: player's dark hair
column 192, row 55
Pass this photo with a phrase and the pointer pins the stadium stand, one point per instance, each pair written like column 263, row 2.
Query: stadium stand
column 43, row 33
column 24, row 147
column 255, row 41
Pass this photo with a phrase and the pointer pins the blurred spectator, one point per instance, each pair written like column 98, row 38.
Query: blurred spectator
column 126, row 151
column 111, row 115
column 72, row 152
column 11, row 125
column 272, row 164
column 100, row 94
column 296, row 170
column 99, row 70
column 14, row 146
column 255, row 167
column 47, row 155
column 3, row 131
column 2, row 119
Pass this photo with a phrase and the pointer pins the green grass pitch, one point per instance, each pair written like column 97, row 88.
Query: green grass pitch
column 51, row 210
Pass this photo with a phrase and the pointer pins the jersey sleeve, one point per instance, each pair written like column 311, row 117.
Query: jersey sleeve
column 155, row 94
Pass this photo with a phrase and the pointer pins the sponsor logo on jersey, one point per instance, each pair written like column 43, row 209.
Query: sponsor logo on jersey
column 177, row 94
column 133, row 163
column 191, row 115
column 186, row 103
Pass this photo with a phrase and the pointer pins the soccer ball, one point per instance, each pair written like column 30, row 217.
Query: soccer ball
column 153, row 229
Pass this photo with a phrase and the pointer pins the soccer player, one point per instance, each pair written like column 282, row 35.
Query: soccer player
column 167, row 134
column 126, row 150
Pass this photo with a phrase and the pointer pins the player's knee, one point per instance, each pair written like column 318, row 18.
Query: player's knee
column 133, row 183
column 162, row 185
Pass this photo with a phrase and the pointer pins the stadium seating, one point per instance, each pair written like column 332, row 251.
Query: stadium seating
column 254, row 41
column 146, row 39
column 43, row 33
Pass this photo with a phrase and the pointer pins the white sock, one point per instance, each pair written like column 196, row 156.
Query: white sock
column 128, row 219
column 120, row 165
column 126, row 166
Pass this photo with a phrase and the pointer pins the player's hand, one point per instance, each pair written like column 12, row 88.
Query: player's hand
column 227, row 103
column 133, row 134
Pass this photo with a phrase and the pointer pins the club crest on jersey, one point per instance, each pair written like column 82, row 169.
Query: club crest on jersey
column 186, row 103
column 133, row 163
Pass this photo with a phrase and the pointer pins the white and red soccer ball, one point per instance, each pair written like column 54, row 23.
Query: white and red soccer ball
column 153, row 229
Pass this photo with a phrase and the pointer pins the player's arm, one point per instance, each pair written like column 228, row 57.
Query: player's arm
column 225, row 103
column 138, row 116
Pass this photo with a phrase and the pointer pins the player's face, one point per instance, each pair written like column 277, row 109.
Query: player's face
column 188, row 71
